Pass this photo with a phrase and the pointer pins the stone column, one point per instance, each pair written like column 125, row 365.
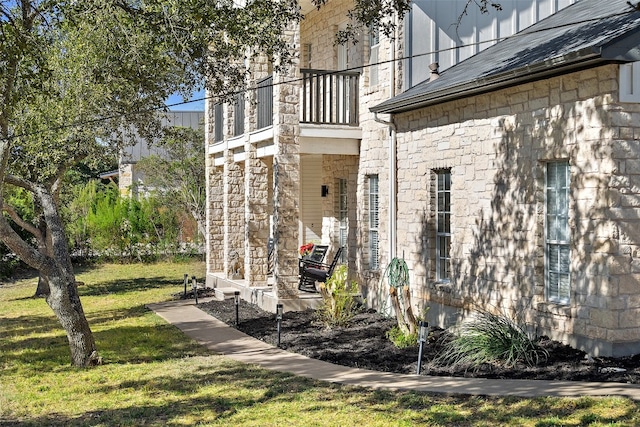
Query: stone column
column 233, row 215
column 215, row 218
column 214, row 199
column 256, row 219
column 256, row 215
column 286, row 173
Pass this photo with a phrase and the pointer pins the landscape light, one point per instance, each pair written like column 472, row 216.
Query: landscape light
column 279, row 310
column 236, row 298
column 195, row 288
column 423, row 333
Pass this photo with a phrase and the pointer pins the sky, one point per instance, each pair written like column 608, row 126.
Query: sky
column 191, row 106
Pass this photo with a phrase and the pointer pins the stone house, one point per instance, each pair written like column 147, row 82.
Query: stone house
column 518, row 180
column 456, row 175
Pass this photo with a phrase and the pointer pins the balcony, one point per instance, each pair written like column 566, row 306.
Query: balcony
column 329, row 97
column 329, row 113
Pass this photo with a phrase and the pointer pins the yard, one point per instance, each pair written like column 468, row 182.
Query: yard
column 153, row 375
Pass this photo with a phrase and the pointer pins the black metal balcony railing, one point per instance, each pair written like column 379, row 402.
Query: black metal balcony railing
column 219, row 123
column 238, row 115
column 264, row 97
column 329, row 97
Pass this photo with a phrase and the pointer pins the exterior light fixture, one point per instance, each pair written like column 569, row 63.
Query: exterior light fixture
column 195, row 288
column 423, row 333
column 325, row 191
column 236, row 298
column 186, row 280
column 279, row 311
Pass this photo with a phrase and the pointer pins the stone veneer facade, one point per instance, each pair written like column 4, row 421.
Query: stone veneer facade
column 496, row 146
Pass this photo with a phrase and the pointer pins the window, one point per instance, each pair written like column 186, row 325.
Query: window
column 630, row 82
column 342, row 217
column 374, row 47
column 218, row 123
column 557, row 252
column 374, row 222
column 238, row 115
column 443, row 230
column 305, row 57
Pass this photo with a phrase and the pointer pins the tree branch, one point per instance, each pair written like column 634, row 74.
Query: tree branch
column 20, row 182
column 22, row 223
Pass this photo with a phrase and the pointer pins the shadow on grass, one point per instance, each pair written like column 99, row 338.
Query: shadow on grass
column 126, row 285
column 184, row 402
column 218, row 391
column 115, row 343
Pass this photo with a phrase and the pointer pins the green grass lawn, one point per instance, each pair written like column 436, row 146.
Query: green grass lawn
column 153, row 375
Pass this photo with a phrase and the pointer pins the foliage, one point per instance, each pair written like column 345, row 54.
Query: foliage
column 100, row 222
column 401, row 339
column 178, row 176
column 491, row 338
column 339, row 302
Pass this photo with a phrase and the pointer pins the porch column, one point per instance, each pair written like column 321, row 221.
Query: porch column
column 233, row 216
column 286, row 173
column 215, row 217
column 214, row 190
column 256, row 219
column 256, row 215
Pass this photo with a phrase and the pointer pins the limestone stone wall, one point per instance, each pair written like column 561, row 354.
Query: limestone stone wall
column 497, row 146
column 318, row 29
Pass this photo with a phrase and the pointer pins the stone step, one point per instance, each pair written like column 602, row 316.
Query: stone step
column 224, row 293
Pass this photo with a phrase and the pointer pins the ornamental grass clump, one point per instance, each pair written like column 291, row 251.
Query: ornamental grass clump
column 491, row 338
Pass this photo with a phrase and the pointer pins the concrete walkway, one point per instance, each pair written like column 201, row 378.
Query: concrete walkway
column 222, row 339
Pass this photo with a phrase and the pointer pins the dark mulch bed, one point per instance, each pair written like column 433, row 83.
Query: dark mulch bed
column 363, row 344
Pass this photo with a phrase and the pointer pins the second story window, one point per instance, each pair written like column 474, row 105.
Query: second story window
column 218, row 118
column 238, row 115
column 374, row 47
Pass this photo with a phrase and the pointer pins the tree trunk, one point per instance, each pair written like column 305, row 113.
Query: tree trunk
column 65, row 303
column 43, row 286
column 408, row 311
column 55, row 266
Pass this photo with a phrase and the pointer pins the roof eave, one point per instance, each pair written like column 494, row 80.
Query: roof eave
column 588, row 57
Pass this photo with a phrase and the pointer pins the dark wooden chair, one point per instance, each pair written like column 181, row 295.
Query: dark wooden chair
column 312, row 272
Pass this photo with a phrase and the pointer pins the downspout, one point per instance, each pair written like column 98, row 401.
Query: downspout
column 393, row 172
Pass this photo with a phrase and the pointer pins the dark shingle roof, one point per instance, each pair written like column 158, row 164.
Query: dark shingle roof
column 587, row 33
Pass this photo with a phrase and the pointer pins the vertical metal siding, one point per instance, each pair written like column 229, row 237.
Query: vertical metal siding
column 434, row 35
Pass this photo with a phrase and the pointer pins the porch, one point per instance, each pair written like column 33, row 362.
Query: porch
column 273, row 178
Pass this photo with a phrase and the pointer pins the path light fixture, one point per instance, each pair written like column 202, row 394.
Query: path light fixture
column 279, row 311
column 186, row 280
column 236, row 299
column 423, row 333
column 195, row 288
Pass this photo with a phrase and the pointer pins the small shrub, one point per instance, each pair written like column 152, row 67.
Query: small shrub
column 401, row 339
column 339, row 303
column 491, row 338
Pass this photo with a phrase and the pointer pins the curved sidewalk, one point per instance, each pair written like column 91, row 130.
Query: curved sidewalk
column 223, row 339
